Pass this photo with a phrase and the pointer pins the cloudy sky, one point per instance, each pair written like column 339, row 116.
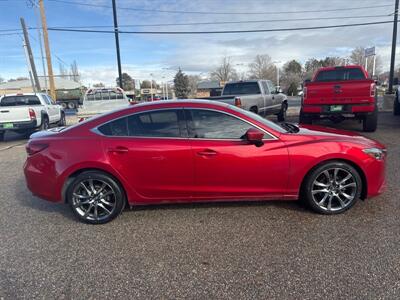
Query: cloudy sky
column 161, row 55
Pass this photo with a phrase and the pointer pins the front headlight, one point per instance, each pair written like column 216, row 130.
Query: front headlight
column 376, row 153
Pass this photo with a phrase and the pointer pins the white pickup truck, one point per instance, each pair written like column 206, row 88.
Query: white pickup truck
column 25, row 113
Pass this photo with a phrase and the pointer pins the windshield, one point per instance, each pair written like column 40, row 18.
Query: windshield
column 20, row 100
column 260, row 119
column 241, row 88
column 340, row 75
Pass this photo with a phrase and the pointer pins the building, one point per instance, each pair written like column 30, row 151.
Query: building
column 25, row 86
column 209, row 88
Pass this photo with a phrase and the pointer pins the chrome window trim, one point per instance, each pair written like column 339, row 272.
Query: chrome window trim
column 97, row 131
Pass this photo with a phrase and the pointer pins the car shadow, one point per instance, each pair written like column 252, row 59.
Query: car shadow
column 26, row 199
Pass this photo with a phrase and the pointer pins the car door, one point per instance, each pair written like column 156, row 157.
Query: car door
column 151, row 151
column 276, row 98
column 268, row 99
column 53, row 110
column 227, row 166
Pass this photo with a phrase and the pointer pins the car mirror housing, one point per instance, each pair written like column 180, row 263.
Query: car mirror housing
column 255, row 136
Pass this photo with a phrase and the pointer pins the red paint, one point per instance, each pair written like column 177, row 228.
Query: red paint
column 156, row 170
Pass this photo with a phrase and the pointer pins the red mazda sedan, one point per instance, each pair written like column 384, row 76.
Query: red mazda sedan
column 194, row 151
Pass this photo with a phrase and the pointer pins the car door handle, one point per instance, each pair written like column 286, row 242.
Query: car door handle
column 207, row 152
column 118, row 149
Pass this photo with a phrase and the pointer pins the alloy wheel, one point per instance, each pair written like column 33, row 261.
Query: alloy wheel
column 94, row 199
column 334, row 189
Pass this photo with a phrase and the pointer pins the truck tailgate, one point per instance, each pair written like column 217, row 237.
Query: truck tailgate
column 340, row 92
column 10, row 114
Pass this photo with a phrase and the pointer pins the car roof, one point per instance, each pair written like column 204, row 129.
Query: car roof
column 183, row 102
column 22, row 94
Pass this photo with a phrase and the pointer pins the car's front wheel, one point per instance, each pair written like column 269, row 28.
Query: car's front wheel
column 332, row 188
column 95, row 197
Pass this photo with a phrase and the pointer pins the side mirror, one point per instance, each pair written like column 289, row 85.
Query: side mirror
column 255, row 137
column 278, row 90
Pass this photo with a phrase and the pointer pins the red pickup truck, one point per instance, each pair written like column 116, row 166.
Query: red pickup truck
column 339, row 93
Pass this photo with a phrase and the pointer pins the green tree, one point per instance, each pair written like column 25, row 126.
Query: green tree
column 128, row 83
column 181, row 83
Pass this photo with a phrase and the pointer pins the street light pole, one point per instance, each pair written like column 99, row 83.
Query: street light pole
column 117, row 43
column 394, row 39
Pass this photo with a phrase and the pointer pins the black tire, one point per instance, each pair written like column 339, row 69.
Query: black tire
column 370, row 122
column 254, row 109
column 45, row 123
column 334, row 191
column 303, row 119
column 71, row 105
column 282, row 114
column 63, row 105
column 62, row 121
column 2, row 135
column 396, row 106
column 97, row 210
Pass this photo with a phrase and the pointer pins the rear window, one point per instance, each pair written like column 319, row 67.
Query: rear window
column 19, row 100
column 340, row 75
column 241, row 88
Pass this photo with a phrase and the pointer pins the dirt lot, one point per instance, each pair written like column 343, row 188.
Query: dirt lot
column 273, row 250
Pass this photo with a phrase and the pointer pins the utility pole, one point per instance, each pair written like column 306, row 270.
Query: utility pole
column 47, row 50
column 117, row 43
column 28, row 64
column 30, row 56
column 394, row 39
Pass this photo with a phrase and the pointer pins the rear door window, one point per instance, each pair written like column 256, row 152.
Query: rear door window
column 20, row 100
column 340, row 75
column 242, row 88
column 163, row 123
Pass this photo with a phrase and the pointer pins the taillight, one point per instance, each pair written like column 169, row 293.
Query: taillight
column 33, row 148
column 372, row 90
column 304, row 92
column 238, row 102
column 32, row 114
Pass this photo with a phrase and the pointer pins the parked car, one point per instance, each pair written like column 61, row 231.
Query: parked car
column 258, row 96
column 101, row 100
column 339, row 93
column 195, row 151
column 25, row 113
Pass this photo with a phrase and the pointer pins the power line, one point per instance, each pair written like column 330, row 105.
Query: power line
column 222, row 31
column 204, row 23
column 218, row 13
column 227, row 22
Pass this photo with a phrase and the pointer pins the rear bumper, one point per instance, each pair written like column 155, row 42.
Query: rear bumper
column 19, row 125
column 346, row 109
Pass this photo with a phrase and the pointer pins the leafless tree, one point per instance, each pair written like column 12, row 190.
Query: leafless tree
column 74, row 74
column 262, row 68
column 357, row 57
column 193, row 81
column 225, row 72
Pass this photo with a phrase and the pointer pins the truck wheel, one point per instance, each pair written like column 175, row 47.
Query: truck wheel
column 62, row 121
column 303, row 119
column 45, row 123
column 282, row 114
column 63, row 105
column 71, row 105
column 2, row 134
column 396, row 106
column 370, row 122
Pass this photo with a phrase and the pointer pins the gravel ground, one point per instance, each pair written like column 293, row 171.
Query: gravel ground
column 273, row 250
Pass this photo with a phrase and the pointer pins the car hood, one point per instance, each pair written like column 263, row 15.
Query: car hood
column 320, row 133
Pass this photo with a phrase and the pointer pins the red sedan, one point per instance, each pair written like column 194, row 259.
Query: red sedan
column 194, row 151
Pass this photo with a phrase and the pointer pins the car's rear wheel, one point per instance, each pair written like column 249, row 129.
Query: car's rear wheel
column 370, row 122
column 396, row 106
column 282, row 114
column 332, row 188
column 304, row 119
column 95, row 197
column 45, row 123
column 62, row 121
